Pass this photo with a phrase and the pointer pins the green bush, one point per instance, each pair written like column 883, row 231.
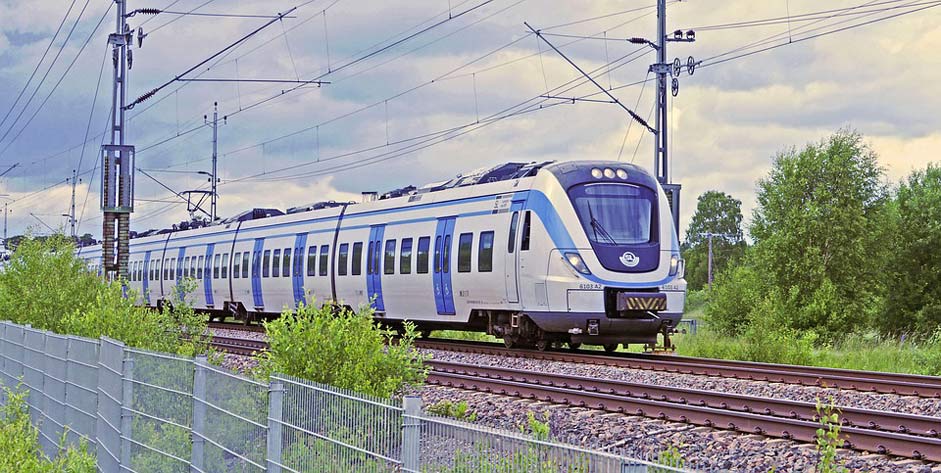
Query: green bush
column 344, row 349
column 19, row 442
column 46, row 285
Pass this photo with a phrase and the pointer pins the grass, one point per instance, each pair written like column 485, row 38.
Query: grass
column 856, row 351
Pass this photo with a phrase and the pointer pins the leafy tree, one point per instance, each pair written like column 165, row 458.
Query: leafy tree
column 720, row 214
column 820, row 231
column 913, row 296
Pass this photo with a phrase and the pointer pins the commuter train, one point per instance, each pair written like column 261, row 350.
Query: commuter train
column 537, row 254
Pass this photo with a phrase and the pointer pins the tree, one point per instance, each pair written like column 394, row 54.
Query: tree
column 720, row 214
column 820, row 234
column 913, row 296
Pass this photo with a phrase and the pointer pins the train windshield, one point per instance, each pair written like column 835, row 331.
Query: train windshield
column 615, row 214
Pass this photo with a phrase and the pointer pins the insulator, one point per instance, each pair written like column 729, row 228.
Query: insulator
column 148, row 11
column 145, row 96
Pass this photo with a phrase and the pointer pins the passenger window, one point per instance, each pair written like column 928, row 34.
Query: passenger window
column 405, row 260
column 369, row 255
column 312, row 261
column 342, row 261
column 511, row 244
column 447, row 254
column 225, row 265
column 237, row 265
column 324, row 250
column 437, row 254
column 245, row 264
column 165, row 268
column 276, row 264
column 485, row 253
column 389, row 263
column 357, row 257
column 172, row 269
column 216, row 265
column 193, row 267
column 286, row 263
column 464, row 245
column 199, row 267
column 421, row 266
column 186, row 266
column 266, row 264
column 524, row 243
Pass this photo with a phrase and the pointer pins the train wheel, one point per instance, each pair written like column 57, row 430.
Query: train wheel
column 574, row 346
column 610, row 347
column 509, row 342
column 542, row 344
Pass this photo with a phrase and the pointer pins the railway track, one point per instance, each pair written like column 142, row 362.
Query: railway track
column 888, row 433
column 870, row 381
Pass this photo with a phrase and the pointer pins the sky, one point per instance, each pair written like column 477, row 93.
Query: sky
column 422, row 90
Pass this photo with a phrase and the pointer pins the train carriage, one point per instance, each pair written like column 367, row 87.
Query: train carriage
column 535, row 254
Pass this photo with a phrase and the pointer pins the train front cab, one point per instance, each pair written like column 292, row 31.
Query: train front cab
column 614, row 273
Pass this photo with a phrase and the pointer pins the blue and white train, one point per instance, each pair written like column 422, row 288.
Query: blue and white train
column 535, row 254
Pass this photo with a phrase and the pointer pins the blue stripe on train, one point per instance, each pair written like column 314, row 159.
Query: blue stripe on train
column 207, row 274
column 256, row 273
column 297, row 276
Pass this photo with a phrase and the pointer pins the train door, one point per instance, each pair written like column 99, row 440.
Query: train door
column 297, row 266
column 374, row 267
column 146, row 279
column 179, row 274
column 444, row 296
column 207, row 275
column 258, row 300
column 512, row 254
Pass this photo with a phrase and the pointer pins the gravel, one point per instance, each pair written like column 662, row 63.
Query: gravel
column 865, row 400
column 702, row 449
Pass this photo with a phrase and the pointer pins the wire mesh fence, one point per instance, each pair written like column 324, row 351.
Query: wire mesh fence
column 142, row 411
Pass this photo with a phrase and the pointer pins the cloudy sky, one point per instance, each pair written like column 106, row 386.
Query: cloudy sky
column 456, row 94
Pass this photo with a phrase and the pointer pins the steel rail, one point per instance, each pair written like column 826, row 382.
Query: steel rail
column 869, row 381
column 539, row 386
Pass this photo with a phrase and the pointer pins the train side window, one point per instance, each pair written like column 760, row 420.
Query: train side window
column 193, row 267
column 447, row 254
column 172, row 269
column 524, row 241
column 186, row 266
column 225, row 265
column 276, row 264
column 511, row 243
column 245, row 265
column 199, row 267
column 485, row 253
column 164, row 267
column 405, row 260
column 312, row 261
column 216, row 265
column 465, row 244
column 286, row 263
column 324, row 258
column 421, row 266
column 266, row 264
column 343, row 259
column 357, row 257
column 389, row 263
column 437, row 254
column 237, row 265
column 369, row 258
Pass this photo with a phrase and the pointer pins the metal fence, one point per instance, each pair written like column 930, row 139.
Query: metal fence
column 144, row 412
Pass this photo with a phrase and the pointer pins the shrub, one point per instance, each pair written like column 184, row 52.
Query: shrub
column 344, row 349
column 454, row 410
column 19, row 442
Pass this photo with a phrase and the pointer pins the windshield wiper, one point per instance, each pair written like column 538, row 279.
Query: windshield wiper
column 598, row 228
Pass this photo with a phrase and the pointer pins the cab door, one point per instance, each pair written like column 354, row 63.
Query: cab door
column 444, row 294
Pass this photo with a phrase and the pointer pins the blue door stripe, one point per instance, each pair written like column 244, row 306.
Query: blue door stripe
column 146, row 277
column 207, row 274
column 444, row 236
column 179, row 273
column 256, row 273
column 374, row 262
column 297, row 266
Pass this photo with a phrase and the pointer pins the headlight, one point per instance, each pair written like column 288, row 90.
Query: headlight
column 576, row 261
column 675, row 263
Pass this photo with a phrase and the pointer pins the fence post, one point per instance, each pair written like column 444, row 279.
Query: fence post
column 411, row 434
column 275, row 404
column 127, row 403
column 199, row 414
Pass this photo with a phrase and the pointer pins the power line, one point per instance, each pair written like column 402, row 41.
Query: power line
column 822, row 14
column 38, row 64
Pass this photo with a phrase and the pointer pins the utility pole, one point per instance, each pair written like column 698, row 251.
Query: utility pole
column 214, row 178
column 117, row 170
column 71, row 214
column 662, row 69
column 709, row 236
